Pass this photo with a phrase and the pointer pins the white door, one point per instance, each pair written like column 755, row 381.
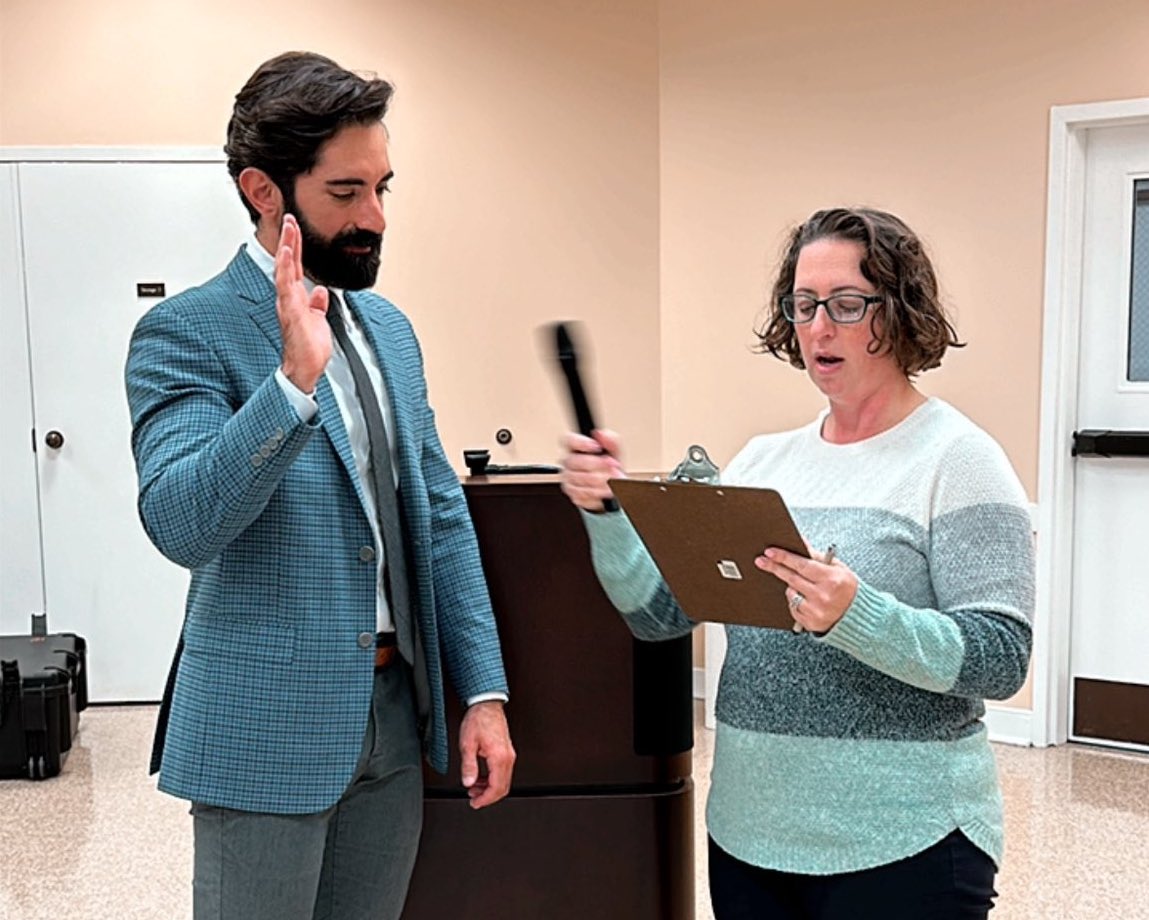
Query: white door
column 21, row 575
column 1109, row 643
column 92, row 232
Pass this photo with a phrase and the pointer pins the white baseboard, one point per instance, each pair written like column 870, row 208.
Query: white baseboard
column 700, row 683
column 1008, row 725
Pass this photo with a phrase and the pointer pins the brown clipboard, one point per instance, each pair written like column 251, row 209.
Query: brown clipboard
column 704, row 540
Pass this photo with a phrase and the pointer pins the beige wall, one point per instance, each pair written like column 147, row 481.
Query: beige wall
column 634, row 163
column 936, row 111
column 525, row 144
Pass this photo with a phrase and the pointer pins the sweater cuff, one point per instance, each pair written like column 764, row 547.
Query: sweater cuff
column 862, row 622
column 611, row 527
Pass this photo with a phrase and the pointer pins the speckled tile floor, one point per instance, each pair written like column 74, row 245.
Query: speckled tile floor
column 99, row 843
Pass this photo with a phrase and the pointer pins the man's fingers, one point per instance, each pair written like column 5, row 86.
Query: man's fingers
column 320, row 299
column 288, row 268
column 470, row 765
column 477, row 793
column 289, row 238
column 497, row 782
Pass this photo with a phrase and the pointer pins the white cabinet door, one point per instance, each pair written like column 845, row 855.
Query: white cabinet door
column 1109, row 656
column 92, row 232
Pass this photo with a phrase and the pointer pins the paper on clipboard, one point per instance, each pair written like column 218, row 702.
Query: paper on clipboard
column 704, row 540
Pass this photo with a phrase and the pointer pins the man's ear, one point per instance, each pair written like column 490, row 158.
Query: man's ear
column 263, row 195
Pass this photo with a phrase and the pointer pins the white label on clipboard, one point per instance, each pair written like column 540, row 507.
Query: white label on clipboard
column 728, row 568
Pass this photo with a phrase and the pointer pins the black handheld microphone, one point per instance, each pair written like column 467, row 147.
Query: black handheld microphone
column 568, row 362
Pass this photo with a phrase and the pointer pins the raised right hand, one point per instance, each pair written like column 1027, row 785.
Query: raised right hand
column 588, row 464
column 302, row 316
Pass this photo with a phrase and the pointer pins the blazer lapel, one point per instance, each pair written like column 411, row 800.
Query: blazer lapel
column 254, row 288
column 257, row 292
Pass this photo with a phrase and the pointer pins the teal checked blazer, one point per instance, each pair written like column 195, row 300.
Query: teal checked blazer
column 270, row 697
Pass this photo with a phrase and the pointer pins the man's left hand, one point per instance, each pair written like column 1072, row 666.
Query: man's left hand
column 484, row 733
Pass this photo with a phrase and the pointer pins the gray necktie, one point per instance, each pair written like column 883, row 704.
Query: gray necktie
column 386, row 499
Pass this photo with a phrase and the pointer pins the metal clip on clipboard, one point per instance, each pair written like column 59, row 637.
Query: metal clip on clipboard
column 696, row 466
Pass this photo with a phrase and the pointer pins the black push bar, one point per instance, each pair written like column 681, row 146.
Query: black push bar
column 1097, row 442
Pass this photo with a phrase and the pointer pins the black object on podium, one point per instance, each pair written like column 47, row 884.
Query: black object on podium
column 600, row 820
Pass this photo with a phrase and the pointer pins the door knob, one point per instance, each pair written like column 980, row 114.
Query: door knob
column 54, row 440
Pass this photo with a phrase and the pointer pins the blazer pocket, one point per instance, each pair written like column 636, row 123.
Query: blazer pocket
column 262, row 642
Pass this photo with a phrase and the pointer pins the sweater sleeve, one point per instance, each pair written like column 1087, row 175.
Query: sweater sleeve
column 976, row 642
column 631, row 580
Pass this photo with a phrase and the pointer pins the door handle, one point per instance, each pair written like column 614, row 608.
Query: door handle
column 1100, row 442
column 54, row 440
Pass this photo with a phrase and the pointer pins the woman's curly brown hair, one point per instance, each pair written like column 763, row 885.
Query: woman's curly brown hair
column 913, row 324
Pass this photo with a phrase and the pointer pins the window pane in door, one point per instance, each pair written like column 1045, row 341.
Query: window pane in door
column 1138, row 369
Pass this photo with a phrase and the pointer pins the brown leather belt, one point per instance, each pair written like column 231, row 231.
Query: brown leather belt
column 385, row 650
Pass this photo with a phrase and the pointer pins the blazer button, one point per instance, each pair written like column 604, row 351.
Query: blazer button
column 366, row 553
column 366, row 640
column 256, row 460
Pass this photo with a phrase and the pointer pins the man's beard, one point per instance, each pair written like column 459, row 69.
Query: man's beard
column 327, row 262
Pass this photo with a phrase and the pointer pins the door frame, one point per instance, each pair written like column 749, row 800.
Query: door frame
column 1069, row 126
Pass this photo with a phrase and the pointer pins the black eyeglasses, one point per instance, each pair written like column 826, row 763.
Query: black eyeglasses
column 842, row 308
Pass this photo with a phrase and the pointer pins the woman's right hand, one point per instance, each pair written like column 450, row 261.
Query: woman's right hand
column 588, row 464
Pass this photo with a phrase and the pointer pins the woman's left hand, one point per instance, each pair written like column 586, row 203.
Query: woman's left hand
column 819, row 593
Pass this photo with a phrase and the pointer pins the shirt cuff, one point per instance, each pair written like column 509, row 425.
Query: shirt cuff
column 304, row 403
column 487, row 697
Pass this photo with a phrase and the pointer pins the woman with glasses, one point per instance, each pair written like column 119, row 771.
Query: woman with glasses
column 852, row 775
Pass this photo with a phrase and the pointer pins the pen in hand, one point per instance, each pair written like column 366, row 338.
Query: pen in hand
column 827, row 559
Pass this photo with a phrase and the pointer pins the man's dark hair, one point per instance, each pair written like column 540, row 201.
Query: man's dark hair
column 911, row 322
column 289, row 108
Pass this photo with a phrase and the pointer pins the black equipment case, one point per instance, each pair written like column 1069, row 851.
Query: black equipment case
column 44, row 688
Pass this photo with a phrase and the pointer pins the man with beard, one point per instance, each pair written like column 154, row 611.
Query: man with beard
column 288, row 457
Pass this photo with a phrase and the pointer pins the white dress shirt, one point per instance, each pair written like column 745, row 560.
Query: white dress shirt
column 338, row 375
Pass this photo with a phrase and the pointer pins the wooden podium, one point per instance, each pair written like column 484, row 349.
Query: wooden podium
column 600, row 820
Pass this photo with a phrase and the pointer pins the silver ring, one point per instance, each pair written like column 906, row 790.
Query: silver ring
column 797, row 601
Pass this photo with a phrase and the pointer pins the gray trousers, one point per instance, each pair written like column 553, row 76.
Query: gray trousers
column 350, row 862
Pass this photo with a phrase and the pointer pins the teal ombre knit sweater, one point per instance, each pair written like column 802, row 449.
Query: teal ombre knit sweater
column 865, row 745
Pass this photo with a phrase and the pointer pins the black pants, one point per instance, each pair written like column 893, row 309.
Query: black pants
column 952, row 880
